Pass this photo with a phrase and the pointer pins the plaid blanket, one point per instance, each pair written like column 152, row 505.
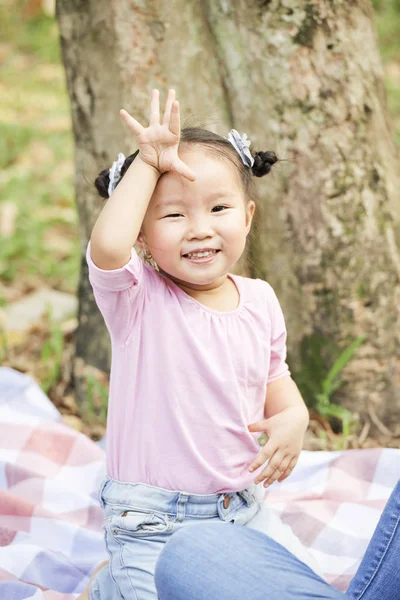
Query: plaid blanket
column 51, row 522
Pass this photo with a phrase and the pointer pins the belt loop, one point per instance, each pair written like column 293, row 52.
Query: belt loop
column 247, row 496
column 100, row 492
column 181, row 506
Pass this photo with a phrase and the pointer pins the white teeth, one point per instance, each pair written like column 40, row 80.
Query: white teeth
column 200, row 254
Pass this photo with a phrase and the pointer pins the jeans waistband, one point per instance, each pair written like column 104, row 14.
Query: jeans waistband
column 150, row 498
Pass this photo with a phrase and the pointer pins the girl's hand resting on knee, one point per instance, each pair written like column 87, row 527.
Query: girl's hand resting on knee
column 285, row 432
column 158, row 143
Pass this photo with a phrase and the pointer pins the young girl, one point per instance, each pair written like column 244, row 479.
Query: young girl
column 193, row 349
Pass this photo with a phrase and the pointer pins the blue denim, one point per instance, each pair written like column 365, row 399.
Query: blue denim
column 378, row 576
column 207, row 563
column 140, row 519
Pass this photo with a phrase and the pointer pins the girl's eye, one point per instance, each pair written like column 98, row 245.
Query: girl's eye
column 173, row 215
column 219, row 207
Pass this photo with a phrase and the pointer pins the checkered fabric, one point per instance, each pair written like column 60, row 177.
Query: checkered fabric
column 51, row 522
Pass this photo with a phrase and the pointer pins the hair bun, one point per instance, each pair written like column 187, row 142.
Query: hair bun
column 263, row 162
column 102, row 181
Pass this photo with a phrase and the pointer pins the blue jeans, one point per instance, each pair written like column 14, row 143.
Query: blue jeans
column 212, row 562
column 139, row 520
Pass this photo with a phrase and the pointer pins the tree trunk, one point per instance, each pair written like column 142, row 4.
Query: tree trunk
column 301, row 77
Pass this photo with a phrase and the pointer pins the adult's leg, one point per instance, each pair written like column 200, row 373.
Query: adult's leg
column 268, row 521
column 206, row 561
column 222, row 561
column 378, row 576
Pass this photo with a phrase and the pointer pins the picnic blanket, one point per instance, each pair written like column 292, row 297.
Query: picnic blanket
column 51, row 522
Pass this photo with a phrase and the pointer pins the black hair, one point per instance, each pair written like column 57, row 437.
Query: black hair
column 215, row 144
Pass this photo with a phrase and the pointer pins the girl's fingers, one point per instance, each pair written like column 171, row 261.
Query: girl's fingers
column 267, row 451
column 285, row 474
column 273, row 464
column 284, row 464
column 273, row 477
column 182, row 169
column 155, row 108
column 262, row 457
column 134, row 125
column 168, row 106
column 174, row 121
column 289, row 469
column 278, row 473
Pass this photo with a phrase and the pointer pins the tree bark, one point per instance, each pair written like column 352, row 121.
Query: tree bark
column 303, row 78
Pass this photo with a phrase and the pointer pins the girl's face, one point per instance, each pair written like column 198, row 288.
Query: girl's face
column 209, row 215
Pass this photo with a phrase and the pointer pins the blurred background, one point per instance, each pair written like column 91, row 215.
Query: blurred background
column 40, row 250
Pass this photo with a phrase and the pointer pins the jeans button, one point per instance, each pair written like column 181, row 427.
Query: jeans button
column 227, row 501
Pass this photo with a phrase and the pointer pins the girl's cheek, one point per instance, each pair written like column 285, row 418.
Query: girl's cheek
column 170, row 232
column 233, row 228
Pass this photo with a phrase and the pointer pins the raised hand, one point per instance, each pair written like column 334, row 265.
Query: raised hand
column 159, row 142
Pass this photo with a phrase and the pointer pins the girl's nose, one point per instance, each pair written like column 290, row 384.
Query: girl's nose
column 200, row 229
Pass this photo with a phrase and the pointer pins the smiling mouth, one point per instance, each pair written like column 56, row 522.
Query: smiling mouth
column 198, row 255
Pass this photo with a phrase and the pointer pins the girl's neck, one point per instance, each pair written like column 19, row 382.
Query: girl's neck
column 221, row 294
column 213, row 288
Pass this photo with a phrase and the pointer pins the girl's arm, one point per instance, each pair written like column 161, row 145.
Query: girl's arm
column 285, row 414
column 282, row 394
column 118, row 225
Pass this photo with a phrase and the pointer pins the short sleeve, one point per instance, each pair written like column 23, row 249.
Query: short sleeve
column 278, row 367
column 117, row 292
column 115, row 280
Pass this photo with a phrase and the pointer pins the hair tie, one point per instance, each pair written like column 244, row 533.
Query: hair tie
column 241, row 145
column 115, row 173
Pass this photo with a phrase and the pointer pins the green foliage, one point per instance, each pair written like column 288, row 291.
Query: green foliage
column 95, row 390
column 3, row 346
column 382, row 6
column 318, row 385
column 36, row 154
column 332, row 383
column 316, row 352
column 388, row 28
column 26, row 252
column 37, row 36
column 13, row 139
column 51, row 355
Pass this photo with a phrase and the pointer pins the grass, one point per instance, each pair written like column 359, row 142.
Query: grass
column 38, row 36
column 36, row 156
column 387, row 21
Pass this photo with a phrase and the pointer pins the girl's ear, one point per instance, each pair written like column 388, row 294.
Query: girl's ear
column 250, row 208
column 141, row 241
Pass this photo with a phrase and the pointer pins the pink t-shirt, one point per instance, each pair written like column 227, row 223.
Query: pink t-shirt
column 186, row 380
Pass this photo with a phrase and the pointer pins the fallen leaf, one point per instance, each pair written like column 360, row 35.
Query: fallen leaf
column 73, row 421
